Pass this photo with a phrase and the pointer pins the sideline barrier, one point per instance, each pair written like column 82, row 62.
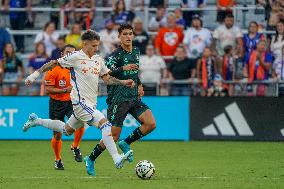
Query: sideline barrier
column 252, row 119
column 171, row 113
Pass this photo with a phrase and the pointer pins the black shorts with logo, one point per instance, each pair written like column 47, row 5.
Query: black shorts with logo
column 59, row 109
column 117, row 112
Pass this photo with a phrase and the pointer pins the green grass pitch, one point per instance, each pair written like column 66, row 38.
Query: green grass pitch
column 188, row 165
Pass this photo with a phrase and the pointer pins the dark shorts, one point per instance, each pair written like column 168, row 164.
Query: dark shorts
column 117, row 112
column 59, row 109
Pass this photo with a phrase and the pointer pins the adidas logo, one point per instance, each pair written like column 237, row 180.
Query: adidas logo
column 223, row 123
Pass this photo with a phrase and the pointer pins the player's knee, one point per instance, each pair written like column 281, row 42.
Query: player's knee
column 151, row 125
column 57, row 136
column 115, row 137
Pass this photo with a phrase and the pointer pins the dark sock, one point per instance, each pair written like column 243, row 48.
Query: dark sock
column 135, row 135
column 96, row 152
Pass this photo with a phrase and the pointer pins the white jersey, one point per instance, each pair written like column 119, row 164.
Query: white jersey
column 150, row 68
column 226, row 36
column 196, row 41
column 85, row 73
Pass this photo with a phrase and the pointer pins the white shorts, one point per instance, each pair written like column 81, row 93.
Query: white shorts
column 84, row 114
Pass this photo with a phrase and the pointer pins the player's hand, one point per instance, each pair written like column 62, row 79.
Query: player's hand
column 69, row 89
column 130, row 67
column 140, row 91
column 129, row 83
column 31, row 78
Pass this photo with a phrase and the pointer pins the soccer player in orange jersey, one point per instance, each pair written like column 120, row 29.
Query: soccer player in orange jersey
column 57, row 82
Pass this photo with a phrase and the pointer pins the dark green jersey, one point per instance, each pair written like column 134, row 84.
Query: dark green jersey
column 115, row 62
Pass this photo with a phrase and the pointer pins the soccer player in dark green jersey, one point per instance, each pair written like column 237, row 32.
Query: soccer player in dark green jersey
column 124, row 64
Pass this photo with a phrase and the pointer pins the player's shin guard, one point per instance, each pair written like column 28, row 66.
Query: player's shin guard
column 108, row 141
column 135, row 135
column 55, row 125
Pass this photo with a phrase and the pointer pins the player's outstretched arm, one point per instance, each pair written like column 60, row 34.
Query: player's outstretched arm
column 48, row 66
column 109, row 80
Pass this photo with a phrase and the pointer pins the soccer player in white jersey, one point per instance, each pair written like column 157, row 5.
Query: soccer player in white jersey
column 85, row 67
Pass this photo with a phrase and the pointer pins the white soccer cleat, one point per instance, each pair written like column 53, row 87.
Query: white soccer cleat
column 119, row 163
column 31, row 122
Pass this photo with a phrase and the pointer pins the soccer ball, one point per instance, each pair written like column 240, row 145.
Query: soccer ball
column 145, row 169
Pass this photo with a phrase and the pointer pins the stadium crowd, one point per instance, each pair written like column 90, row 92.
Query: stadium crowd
column 182, row 58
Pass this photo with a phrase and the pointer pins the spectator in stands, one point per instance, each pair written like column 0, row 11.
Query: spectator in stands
column 224, row 8
column 258, row 66
column 169, row 37
column 18, row 19
column 130, row 6
column 74, row 38
column 277, row 42
column 56, row 53
column 48, row 36
column 158, row 21
column 84, row 18
column 13, row 71
column 228, row 68
column 227, row 34
column 158, row 3
column 55, row 16
column 180, row 20
column 109, row 38
column 206, row 71
column 277, row 14
column 251, row 39
column 36, row 61
column 181, row 68
column 196, row 38
column 4, row 39
column 278, row 72
column 141, row 37
column 152, row 70
column 193, row 4
column 120, row 16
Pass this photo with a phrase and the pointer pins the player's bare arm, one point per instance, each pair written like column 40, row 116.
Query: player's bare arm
column 46, row 67
column 54, row 90
column 109, row 80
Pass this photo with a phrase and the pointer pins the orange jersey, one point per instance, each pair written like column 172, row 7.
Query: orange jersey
column 59, row 78
column 226, row 3
column 167, row 40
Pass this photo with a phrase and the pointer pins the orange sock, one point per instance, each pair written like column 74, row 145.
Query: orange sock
column 56, row 145
column 78, row 136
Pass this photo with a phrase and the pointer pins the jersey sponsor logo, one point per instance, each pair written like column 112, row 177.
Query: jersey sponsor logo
column 62, row 83
column 222, row 122
column 171, row 38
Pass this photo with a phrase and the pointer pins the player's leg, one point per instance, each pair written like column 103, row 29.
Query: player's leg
column 78, row 134
column 57, row 112
column 105, row 126
column 54, row 125
column 116, row 113
column 56, row 144
column 144, row 115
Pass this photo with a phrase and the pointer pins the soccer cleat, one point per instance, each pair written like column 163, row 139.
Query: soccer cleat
column 77, row 153
column 90, row 165
column 119, row 163
column 58, row 165
column 125, row 148
column 31, row 122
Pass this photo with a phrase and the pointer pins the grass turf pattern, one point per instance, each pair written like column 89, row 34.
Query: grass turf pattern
column 188, row 165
